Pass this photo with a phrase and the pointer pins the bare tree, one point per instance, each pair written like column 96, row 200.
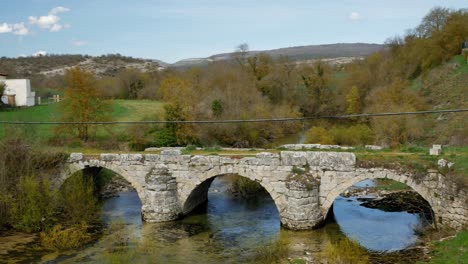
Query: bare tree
column 435, row 20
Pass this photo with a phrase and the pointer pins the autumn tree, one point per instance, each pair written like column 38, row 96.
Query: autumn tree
column 395, row 98
column 353, row 101
column 82, row 103
column 316, row 80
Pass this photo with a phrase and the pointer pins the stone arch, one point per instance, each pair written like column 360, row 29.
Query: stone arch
column 74, row 168
column 192, row 195
column 358, row 176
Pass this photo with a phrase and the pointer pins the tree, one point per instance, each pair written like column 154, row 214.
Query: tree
column 82, row 103
column 434, row 21
column 217, row 108
column 240, row 55
column 131, row 82
column 353, row 100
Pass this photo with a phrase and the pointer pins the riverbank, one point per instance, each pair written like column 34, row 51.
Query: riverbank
column 452, row 249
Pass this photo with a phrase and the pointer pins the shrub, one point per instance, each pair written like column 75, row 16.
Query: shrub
column 319, row 135
column 79, row 200
column 33, row 205
column 352, row 136
column 274, row 251
column 59, row 238
column 345, row 251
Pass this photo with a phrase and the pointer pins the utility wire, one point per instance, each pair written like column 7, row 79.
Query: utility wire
column 235, row 120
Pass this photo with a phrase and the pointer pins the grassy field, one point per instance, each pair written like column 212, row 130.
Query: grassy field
column 122, row 110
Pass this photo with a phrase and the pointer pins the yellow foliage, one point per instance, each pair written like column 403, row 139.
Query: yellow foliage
column 353, row 100
column 346, row 251
column 319, row 135
column 59, row 238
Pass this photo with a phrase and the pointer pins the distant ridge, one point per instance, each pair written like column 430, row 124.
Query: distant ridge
column 110, row 64
column 296, row 54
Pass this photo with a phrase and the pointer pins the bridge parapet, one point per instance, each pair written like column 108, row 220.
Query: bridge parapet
column 340, row 161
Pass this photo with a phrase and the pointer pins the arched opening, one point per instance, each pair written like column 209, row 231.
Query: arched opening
column 234, row 209
column 234, row 185
column 101, row 191
column 381, row 214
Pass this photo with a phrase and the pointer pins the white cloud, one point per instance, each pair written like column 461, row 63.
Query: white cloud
column 20, row 29
column 39, row 53
column 58, row 9
column 79, row 43
column 355, row 16
column 56, row 28
column 51, row 21
column 5, row 28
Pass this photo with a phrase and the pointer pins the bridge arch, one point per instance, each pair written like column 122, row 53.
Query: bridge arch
column 359, row 176
column 71, row 170
column 192, row 195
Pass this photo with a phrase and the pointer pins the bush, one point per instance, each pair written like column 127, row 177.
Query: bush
column 33, row 205
column 59, row 238
column 352, row 136
column 274, row 251
column 319, row 135
column 79, row 200
column 345, row 251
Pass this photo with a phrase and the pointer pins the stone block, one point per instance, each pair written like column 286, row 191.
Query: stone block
column 152, row 157
column 435, row 152
column 74, row 157
column 171, row 151
column 110, row 157
column 293, row 158
column 373, row 147
column 337, row 160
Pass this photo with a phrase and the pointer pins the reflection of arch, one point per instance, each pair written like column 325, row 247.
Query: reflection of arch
column 124, row 174
column 196, row 194
column 403, row 178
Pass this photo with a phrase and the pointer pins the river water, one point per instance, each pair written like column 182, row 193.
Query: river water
column 229, row 229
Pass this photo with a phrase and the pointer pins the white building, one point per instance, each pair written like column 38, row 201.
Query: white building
column 20, row 89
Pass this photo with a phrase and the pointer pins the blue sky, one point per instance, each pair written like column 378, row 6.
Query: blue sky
column 171, row 30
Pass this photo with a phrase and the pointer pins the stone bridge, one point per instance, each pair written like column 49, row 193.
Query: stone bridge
column 302, row 184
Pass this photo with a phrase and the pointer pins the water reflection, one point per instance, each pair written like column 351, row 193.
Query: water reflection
column 375, row 229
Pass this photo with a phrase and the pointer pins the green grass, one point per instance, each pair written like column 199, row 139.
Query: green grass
column 122, row 110
column 452, row 251
column 135, row 110
column 462, row 65
column 390, row 185
column 415, row 84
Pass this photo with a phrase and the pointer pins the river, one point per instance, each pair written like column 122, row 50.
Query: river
column 229, row 229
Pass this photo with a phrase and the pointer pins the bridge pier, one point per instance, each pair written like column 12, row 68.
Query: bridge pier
column 161, row 203
column 303, row 209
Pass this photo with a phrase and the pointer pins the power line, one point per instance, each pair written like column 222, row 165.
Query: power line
column 235, row 120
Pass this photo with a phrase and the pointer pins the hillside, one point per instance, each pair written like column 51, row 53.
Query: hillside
column 297, row 54
column 52, row 65
column 446, row 87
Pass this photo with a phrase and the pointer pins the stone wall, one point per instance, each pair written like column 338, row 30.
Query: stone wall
column 303, row 184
